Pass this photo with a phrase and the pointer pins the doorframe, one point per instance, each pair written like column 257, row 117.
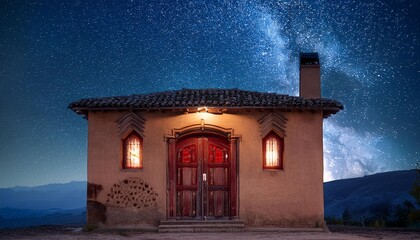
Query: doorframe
column 209, row 130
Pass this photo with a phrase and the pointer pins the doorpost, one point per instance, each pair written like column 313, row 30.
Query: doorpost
column 234, row 213
column 171, row 213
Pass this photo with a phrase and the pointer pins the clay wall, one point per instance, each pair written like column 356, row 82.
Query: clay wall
column 291, row 197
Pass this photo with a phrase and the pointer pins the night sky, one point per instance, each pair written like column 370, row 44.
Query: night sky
column 56, row 52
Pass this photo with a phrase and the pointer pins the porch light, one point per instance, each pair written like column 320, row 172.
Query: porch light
column 212, row 110
column 203, row 114
column 202, row 109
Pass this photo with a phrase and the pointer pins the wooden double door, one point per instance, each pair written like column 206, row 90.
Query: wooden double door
column 203, row 173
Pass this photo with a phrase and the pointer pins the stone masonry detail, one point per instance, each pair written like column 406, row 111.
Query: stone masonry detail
column 132, row 193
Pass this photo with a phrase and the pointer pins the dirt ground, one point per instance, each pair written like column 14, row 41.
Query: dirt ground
column 343, row 233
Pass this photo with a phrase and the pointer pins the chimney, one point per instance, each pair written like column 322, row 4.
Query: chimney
column 310, row 77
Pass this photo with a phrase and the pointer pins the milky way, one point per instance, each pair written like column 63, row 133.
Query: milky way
column 55, row 52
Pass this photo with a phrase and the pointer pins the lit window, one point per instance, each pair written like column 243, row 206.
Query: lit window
column 132, row 151
column 273, row 151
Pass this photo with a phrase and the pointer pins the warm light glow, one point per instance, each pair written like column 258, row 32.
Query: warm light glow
column 133, row 152
column 202, row 109
column 272, row 152
column 204, row 115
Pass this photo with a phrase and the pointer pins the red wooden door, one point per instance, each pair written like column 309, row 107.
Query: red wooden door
column 202, row 178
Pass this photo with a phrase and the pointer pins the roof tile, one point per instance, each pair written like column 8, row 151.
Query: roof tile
column 219, row 98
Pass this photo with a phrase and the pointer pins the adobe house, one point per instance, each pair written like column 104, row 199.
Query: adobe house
column 208, row 156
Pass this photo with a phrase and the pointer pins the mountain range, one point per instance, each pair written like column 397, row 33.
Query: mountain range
column 61, row 204
column 355, row 194
column 65, row 204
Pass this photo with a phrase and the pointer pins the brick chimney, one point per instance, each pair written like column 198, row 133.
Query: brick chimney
column 310, row 77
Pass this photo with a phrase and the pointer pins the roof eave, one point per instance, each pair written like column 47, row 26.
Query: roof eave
column 328, row 111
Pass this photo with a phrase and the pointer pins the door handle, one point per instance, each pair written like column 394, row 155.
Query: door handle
column 204, row 177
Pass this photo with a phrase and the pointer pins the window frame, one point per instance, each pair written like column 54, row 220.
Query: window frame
column 280, row 142
column 124, row 142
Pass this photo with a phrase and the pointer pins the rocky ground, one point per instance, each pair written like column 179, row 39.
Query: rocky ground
column 338, row 233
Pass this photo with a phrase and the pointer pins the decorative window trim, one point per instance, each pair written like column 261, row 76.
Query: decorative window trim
column 277, row 149
column 130, row 125
column 273, row 122
column 136, row 149
column 131, row 122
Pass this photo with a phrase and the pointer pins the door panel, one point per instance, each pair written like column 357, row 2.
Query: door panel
column 187, row 203
column 202, row 178
column 218, row 184
column 187, row 179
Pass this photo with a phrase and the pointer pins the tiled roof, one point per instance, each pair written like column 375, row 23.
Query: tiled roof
column 221, row 99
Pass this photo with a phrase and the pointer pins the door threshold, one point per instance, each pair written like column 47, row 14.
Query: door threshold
column 198, row 221
column 201, row 226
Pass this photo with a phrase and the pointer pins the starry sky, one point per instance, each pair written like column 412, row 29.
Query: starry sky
column 53, row 52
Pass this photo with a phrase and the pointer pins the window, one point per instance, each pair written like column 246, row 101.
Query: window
column 273, row 151
column 132, row 155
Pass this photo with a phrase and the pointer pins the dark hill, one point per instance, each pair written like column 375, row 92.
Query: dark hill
column 388, row 188
column 63, row 196
column 59, row 204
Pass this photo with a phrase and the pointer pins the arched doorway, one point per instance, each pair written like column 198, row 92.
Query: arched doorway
column 202, row 176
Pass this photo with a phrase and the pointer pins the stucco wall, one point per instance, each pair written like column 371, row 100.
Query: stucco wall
column 292, row 196
column 289, row 197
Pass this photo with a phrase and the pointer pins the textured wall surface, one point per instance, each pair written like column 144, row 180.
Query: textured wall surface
column 291, row 197
column 132, row 193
